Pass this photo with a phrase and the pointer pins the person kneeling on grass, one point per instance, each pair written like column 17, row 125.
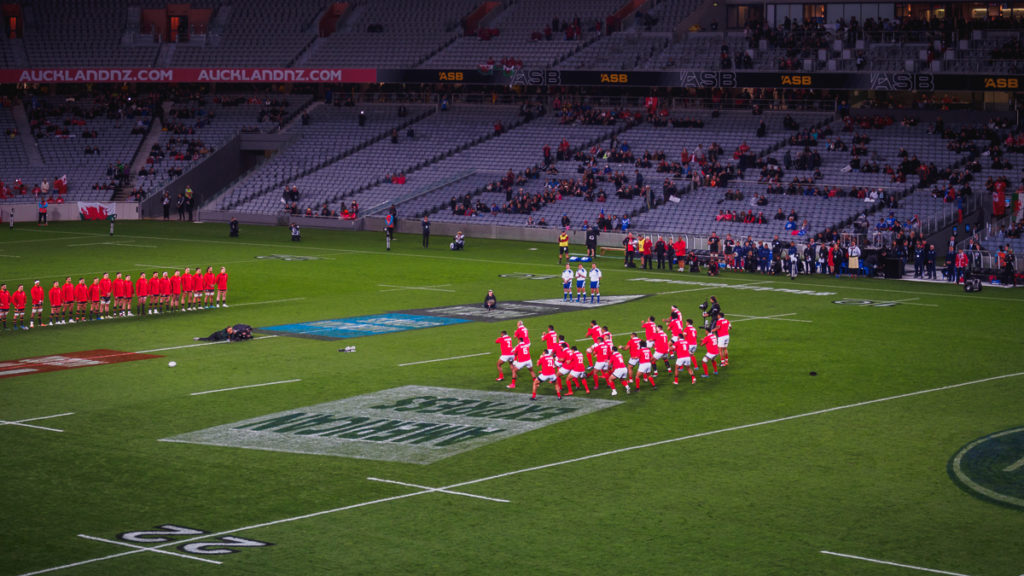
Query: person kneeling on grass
column 234, row 333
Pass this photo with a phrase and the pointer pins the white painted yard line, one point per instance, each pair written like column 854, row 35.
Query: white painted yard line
column 733, row 429
column 453, row 492
column 268, row 302
column 249, row 386
column 128, row 244
column 434, row 288
column 10, row 423
column 774, row 317
column 910, row 301
column 444, row 359
column 897, row 564
column 8, row 256
column 685, row 291
column 22, row 422
column 543, row 467
column 196, row 345
column 139, row 548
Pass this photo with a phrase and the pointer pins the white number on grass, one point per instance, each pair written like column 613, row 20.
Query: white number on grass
column 224, row 545
column 159, row 535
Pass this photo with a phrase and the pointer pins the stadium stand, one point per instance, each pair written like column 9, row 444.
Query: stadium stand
column 372, row 33
column 521, row 34
column 80, row 34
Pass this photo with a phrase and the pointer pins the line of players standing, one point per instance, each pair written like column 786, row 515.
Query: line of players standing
column 564, row 364
column 110, row 297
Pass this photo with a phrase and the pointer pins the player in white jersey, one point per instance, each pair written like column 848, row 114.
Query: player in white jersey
column 595, row 283
column 581, row 278
column 567, row 277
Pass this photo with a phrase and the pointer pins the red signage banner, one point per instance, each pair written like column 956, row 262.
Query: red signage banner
column 171, row 75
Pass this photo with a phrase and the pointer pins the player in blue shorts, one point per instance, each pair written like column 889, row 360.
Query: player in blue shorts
column 567, row 276
column 581, row 278
column 595, row 283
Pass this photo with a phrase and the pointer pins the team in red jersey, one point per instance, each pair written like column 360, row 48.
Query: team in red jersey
column 564, row 365
column 106, row 297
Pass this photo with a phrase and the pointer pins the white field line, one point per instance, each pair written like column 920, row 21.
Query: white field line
column 196, row 345
column 543, row 467
column 22, row 422
column 128, row 244
column 897, row 564
column 8, row 256
column 268, row 302
column 909, row 301
column 249, row 386
column 148, row 549
column 453, row 492
column 744, row 318
column 434, row 288
column 444, row 359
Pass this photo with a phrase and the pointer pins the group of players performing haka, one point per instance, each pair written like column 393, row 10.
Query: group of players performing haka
column 108, row 297
column 570, row 368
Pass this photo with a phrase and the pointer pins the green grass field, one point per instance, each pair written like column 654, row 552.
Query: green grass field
column 757, row 470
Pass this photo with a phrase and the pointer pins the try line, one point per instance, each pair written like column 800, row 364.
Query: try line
column 452, row 487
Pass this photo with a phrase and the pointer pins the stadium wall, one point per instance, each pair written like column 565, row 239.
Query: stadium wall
column 29, row 211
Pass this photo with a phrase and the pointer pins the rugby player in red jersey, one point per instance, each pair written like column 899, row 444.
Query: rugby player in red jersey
column 198, row 288
column 683, row 358
column 142, row 291
column 505, row 354
column 618, row 370
column 661, row 349
column 18, row 299
column 129, row 294
column 550, row 338
column 176, row 291
column 67, row 298
column 37, row 294
column 578, row 370
column 118, row 292
column 222, row 288
column 676, row 326
column 209, row 282
column 94, row 299
column 722, row 333
column 521, row 360
column 690, row 336
column 643, row 370
column 634, row 345
column 81, row 299
column 165, row 292
column 105, row 288
column 548, row 373
column 187, row 283
column 602, row 360
column 521, row 332
column 5, row 305
column 649, row 328
column 710, row 343
column 56, row 304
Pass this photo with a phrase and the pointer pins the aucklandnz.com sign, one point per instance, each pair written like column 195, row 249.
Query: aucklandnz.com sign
column 415, row 424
